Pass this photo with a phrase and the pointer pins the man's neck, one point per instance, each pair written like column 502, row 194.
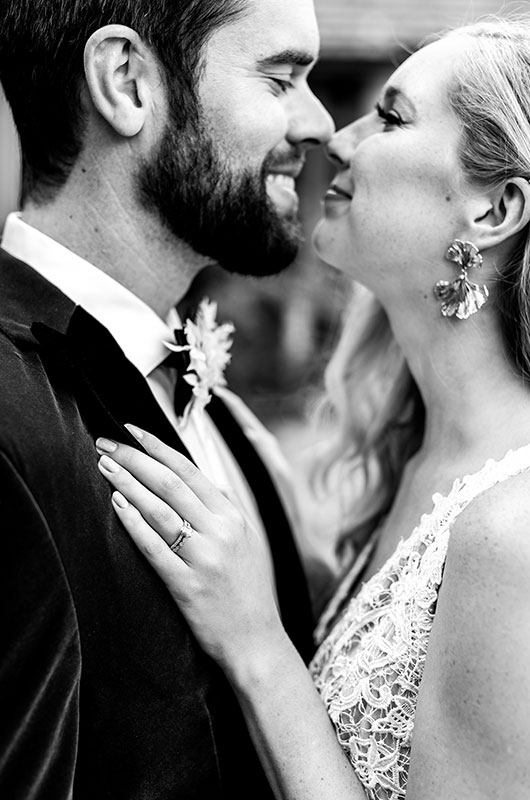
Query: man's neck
column 131, row 246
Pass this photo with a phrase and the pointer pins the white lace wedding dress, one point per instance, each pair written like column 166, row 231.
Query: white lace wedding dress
column 373, row 645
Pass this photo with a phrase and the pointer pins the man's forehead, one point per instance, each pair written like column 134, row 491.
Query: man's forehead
column 279, row 31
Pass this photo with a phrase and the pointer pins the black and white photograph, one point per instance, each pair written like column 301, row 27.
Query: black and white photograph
column 264, row 400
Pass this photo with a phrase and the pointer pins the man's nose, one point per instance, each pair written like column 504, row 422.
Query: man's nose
column 311, row 124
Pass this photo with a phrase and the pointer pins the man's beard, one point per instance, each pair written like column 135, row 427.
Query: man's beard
column 222, row 214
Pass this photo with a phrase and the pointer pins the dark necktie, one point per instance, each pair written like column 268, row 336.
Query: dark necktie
column 180, row 363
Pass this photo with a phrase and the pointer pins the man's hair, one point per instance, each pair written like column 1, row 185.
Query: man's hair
column 41, row 68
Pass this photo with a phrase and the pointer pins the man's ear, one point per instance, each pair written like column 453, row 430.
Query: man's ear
column 501, row 214
column 120, row 73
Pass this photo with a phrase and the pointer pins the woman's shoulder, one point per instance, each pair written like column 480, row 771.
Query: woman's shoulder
column 496, row 523
column 473, row 700
column 476, row 673
column 485, row 590
column 489, row 546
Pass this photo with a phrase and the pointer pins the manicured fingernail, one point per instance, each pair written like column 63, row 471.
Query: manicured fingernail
column 119, row 500
column 106, row 445
column 108, row 464
column 136, row 432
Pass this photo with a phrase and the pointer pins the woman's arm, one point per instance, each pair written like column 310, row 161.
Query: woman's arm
column 222, row 586
column 290, row 728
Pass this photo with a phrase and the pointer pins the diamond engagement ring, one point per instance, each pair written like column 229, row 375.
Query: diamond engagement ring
column 185, row 532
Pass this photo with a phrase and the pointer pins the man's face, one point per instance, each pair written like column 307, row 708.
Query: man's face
column 225, row 182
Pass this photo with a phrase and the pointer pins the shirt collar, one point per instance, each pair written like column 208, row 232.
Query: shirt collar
column 138, row 330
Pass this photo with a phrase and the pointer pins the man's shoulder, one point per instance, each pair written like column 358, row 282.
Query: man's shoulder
column 15, row 360
column 19, row 362
column 31, row 407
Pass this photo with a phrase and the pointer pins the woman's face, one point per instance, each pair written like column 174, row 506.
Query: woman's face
column 399, row 196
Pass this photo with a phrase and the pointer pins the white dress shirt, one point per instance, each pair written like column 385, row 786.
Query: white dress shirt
column 141, row 333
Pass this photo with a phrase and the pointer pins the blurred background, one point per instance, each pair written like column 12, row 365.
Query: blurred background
column 287, row 325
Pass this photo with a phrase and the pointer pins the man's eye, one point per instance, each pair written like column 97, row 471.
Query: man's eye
column 389, row 117
column 282, row 83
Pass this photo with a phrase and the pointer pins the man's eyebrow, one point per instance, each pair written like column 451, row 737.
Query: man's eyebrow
column 298, row 58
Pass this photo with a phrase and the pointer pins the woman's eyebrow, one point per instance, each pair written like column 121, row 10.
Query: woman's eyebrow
column 393, row 93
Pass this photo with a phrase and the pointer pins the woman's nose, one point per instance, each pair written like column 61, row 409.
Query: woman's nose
column 343, row 143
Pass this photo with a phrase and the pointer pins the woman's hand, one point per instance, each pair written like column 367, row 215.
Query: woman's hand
column 219, row 576
column 220, row 579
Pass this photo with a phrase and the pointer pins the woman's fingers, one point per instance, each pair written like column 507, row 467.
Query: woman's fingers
column 179, row 473
column 173, row 571
column 159, row 479
column 183, row 467
column 161, row 517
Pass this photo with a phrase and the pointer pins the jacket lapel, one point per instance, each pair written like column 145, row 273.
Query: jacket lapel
column 75, row 348
column 109, row 389
column 293, row 594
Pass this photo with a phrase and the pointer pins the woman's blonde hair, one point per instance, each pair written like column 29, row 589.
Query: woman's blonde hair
column 376, row 405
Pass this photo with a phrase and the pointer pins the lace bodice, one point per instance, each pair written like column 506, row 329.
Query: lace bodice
column 370, row 662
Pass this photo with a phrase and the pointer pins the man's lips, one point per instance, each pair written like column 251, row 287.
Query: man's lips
column 336, row 193
column 291, row 170
column 284, row 179
column 281, row 179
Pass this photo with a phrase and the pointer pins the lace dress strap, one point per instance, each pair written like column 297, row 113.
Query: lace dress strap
column 445, row 509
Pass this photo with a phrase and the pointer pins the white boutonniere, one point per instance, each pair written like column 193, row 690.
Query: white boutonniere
column 208, row 345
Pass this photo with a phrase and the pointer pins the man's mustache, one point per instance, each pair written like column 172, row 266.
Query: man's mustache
column 289, row 162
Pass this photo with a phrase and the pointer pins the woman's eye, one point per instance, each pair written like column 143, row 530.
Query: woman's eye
column 388, row 117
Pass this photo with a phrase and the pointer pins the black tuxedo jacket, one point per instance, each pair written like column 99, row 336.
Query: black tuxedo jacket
column 104, row 693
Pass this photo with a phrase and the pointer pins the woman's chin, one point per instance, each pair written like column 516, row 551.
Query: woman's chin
column 325, row 246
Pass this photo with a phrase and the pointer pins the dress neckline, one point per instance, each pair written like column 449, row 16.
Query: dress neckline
column 492, row 471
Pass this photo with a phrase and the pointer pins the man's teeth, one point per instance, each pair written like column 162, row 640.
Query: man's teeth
column 282, row 180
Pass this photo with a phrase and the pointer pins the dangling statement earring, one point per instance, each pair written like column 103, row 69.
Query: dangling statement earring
column 461, row 298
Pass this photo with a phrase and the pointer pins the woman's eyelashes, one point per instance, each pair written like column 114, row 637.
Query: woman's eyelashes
column 390, row 117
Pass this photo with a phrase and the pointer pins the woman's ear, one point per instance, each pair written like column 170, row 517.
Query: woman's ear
column 501, row 214
column 121, row 75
